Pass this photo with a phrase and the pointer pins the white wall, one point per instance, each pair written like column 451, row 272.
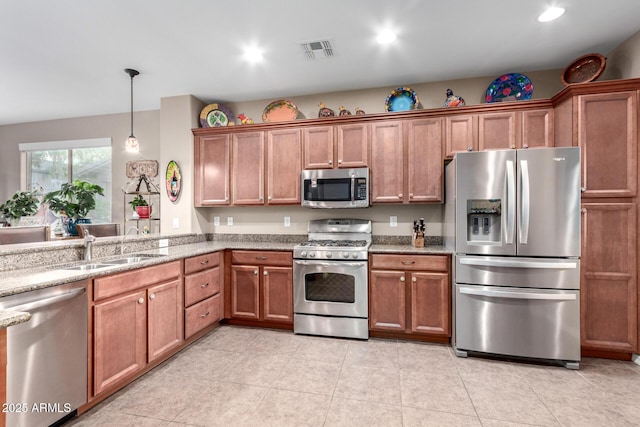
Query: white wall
column 624, row 61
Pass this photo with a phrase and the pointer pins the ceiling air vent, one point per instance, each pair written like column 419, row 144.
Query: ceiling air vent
column 317, row 49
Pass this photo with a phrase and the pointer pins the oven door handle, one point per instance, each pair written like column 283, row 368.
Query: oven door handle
column 330, row 263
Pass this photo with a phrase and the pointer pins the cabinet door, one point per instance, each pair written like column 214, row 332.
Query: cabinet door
column 461, row 134
column 387, row 301
column 608, row 285
column 430, row 306
column 608, row 137
column 284, row 162
column 245, row 292
column 165, row 318
column 387, row 162
column 353, row 145
column 537, row 128
column 277, row 294
column 318, row 147
column 211, row 170
column 247, row 168
column 498, row 131
column 120, row 339
column 424, row 160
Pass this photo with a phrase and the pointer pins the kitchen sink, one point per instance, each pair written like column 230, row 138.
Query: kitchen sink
column 84, row 267
column 132, row 259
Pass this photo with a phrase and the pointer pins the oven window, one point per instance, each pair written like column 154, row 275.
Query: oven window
column 330, row 287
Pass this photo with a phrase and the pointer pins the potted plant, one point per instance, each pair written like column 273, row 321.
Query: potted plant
column 22, row 203
column 140, row 206
column 74, row 200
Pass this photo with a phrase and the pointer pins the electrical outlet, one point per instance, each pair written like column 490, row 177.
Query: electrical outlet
column 287, row 221
column 216, row 220
column 163, row 243
column 229, row 221
column 393, row 221
column 176, row 223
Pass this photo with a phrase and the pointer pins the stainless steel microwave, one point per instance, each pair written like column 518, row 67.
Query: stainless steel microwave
column 335, row 188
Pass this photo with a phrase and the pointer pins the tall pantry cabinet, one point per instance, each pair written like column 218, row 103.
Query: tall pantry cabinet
column 602, row 119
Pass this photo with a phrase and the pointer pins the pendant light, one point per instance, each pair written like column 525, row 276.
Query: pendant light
column 132, row 142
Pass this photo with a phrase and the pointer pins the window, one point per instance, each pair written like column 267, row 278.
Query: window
column 50, row 164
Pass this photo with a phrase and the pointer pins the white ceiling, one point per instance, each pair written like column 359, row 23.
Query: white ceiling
column 65, row 58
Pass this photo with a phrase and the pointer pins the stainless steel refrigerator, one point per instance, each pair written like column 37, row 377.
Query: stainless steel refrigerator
column 512, row 217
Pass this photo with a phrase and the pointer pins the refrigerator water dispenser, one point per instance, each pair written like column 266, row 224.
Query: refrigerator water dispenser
column 484, row 220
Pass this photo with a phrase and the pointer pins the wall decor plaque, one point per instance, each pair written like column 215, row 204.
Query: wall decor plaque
column 173, row 179
column 138, row 168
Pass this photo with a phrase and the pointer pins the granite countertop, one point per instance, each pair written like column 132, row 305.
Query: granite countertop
column 18, row 281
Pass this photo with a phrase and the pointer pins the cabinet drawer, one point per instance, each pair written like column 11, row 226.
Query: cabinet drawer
column 262, row 258
column 201, row 262
column 201, row 285
column 410, row 262
column 108, row 286
column 201, row 315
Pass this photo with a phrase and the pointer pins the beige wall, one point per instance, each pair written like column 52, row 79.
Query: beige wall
column 624, row 61
column 114, row 126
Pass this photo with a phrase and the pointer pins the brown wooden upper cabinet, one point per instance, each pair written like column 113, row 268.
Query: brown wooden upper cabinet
column 284, row 163
column 406, row 161
column 499, row 131
column 212, row 155
column 336, row 146
column 247, row 168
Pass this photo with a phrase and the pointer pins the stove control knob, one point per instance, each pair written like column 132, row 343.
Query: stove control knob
column 312, row 254
column 303, row 254
column 345, row 254
column 329, row 255
column 354, row 255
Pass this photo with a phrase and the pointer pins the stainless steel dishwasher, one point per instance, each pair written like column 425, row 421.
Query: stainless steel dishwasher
column 47, row 356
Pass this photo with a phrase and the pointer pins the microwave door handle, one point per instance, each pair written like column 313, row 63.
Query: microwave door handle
column 353, row 188
column 524, row 214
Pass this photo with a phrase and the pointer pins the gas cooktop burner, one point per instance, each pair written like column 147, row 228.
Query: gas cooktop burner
column 336, row 243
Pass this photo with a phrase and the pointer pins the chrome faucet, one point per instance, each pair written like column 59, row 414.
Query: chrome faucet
column 88, row 244
column 133, row 227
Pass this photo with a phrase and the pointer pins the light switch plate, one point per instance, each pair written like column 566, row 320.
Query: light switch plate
column 393, row 221
column 229, row 221
column 216, row 220
column 287, row 221
column 176, row 223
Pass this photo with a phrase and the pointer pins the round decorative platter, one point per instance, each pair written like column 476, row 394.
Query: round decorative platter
column 280, row 111
column 509, row 87
column 215, row 115
column 173, row 179
column 401, row 99
column 585, row 69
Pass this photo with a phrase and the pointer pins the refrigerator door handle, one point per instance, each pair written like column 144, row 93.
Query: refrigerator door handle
column 468, row 290
column 524, row 213
column 511, row 200
column 517, row 263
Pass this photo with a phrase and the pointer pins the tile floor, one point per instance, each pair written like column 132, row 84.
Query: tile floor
column 258, row 377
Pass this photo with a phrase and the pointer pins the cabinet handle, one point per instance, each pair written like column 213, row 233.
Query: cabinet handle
column 265, row 273
column 261, row 257
column 513, row 147
column 583, row 189
column 469, row 148
column 413, row 279
column 152, row 296
column 202, row 316
column 411, row 195
column 408, row 262
column 204, row 285
column 141, row 301
column 400, row 195
column 270, row 198
column 261, row 199
column 402, row 279
column 339, row 161
column 583, row 210
column 204, row 262
column 255, row 272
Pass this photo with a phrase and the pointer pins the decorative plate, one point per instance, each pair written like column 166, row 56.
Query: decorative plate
column 173, row 181
column 509, row 87
column 280, row 111
column 216, row 115
column 585, row 69
column 401, row 99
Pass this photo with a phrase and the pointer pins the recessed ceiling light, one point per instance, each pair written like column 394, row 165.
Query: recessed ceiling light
column 551, row 14
column 386, row 37
column 253, row 54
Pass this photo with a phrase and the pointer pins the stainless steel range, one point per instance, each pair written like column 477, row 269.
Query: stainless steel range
column 330, row 279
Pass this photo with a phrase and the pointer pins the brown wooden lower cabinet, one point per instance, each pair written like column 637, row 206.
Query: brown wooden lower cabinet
column 410, row 294
column 608, row 289
column 262, row 286
column 202, row 292
column 134, row 327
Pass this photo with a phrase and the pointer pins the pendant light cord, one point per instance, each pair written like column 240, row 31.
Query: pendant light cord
column 131, row 104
